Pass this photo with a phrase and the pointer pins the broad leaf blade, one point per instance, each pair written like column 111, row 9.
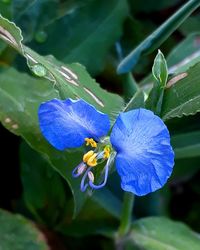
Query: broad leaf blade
column 70, row 80
column 73, row 81
column 182, row 95
column 20, row 97
column 162, row 234
column 17, row 233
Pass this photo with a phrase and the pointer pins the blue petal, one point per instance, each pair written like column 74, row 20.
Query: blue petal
column 145, row 157
column 65, row 124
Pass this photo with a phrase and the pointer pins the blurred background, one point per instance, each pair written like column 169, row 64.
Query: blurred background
column 98, row 34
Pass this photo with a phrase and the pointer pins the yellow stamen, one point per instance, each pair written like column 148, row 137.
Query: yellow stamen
column 91, row 142
column 106, row 152
column 92, row 162
column 90, row 158
column 87, row 156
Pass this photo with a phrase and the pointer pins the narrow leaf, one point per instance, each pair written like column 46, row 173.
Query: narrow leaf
column 160, row 74
column 154, row 40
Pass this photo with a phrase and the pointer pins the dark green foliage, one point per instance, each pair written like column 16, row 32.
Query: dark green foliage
column 19, row 233
column 61, row 44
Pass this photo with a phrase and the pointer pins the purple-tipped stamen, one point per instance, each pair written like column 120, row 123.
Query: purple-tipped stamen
column 83, row 185
column 79, row 170
column 92, row 185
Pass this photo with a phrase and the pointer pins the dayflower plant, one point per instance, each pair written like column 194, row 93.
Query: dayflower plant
column 138, row 142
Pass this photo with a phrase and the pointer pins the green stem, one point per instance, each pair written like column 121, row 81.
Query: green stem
column 126, row 217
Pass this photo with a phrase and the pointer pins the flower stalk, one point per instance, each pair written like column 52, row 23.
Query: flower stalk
column 126, row 217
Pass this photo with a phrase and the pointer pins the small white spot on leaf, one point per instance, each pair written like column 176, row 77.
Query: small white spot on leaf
column 15, row 126
column 7, row 120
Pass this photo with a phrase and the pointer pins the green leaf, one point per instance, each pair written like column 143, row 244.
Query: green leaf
column 70, row 80
column 186, row 145
column 159, row 233
column 154, row 40
column 137, row 101
column 17, row 233
column 87, row 41
column 187, row 152
column 181, row 58
column 73, row 81
column 182, row 95
column 11, row 34
column 184, row 55
column 43, row 188
column 160, row 74
column 20, row 97
column 159, row 69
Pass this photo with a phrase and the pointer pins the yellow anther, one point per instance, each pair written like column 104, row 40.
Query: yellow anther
column 91, row 142
column 87, row 156
column 106, row 152
column 92, row 161
column 90, row 158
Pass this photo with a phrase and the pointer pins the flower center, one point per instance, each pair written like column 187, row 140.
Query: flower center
column 103, row 151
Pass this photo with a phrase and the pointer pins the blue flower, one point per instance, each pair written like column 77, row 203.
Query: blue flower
column 139, row 143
